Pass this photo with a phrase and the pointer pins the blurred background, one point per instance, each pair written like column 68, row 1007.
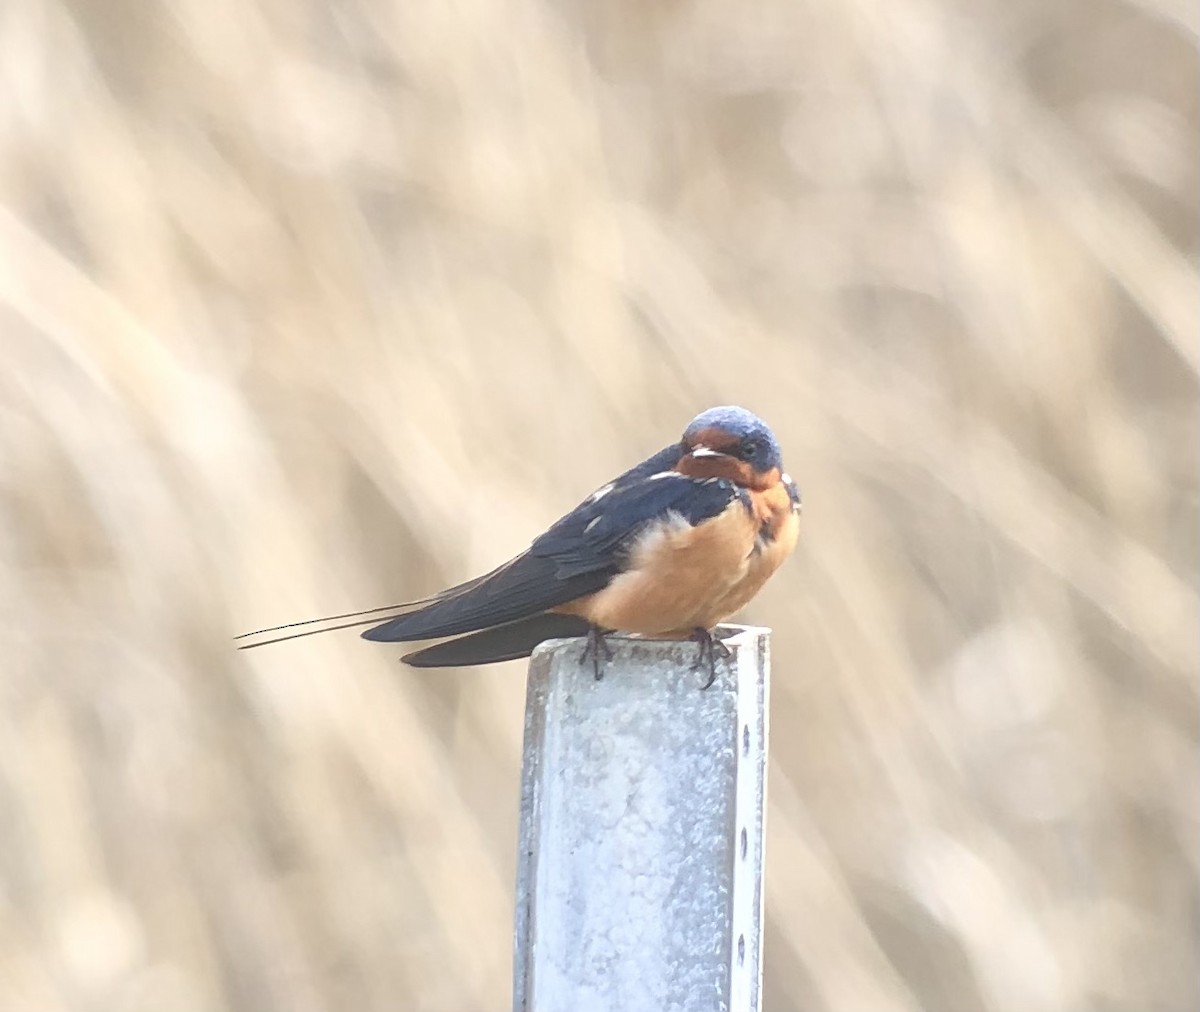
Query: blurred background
column 309, row 307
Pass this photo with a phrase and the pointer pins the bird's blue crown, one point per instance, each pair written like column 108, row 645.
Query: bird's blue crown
column 742, row 425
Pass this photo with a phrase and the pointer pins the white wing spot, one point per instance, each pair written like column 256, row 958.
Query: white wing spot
column 591, row 524
column 664, row 474
column 600, row 493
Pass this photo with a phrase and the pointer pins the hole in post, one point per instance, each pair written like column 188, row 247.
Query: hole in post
column 745, row 843
column 745, row 739
column 741, row 949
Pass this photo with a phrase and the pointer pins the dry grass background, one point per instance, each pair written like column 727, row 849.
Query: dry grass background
column 314, row 306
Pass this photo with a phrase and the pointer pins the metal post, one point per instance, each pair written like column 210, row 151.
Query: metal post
column 639, row 882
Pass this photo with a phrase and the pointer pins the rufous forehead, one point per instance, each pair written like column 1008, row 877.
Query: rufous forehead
column 714, row 437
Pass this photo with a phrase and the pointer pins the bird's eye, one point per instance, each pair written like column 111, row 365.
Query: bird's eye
column 749, row 449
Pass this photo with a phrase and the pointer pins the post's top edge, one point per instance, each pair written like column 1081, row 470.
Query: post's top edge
column 727, row 632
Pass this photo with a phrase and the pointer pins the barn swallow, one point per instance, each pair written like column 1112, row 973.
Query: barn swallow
column 667, row 550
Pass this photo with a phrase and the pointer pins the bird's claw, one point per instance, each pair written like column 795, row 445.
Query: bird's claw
column 710, row 646
column 598, row 649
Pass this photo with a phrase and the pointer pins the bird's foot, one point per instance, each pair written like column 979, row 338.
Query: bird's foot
column 598, row 649
column 710, row 646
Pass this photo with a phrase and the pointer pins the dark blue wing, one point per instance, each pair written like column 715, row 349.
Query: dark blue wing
column 595, row 535
column 577, row 556
column 498, row 643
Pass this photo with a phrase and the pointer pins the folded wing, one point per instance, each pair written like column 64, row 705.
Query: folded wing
column 577, row 556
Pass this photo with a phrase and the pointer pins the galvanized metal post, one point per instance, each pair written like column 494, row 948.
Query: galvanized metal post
column 639, row 883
